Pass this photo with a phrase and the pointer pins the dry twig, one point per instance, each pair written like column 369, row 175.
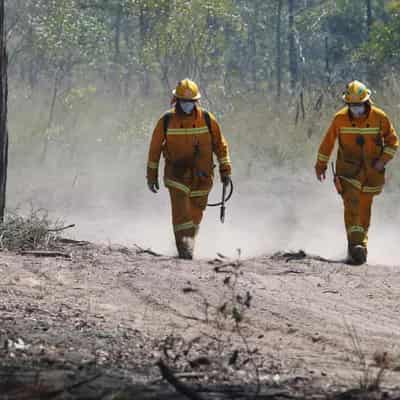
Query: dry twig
column 169, row 376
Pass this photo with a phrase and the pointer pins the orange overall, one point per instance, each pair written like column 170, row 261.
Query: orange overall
column 188, row 147
column 361, row 143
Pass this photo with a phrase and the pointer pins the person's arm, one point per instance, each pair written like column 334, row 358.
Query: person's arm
column 390, row 139
column 155, row 150
column 221, row 149
column 325, row 151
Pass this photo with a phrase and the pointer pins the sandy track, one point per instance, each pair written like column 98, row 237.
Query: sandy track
column 114, row 306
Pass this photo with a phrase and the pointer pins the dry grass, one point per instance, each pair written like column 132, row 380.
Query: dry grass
column 35, row 231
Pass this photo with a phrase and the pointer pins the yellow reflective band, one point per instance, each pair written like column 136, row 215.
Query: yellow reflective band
column 183, row 227
column 190, row 131
column 354, row 182
column 225, row 160
column 199, row 193
column 356, row 228
column 152, row 165
column 323, row 157
column 360, row 131
column 372, row 189
column 390, row 151
column 177, row 185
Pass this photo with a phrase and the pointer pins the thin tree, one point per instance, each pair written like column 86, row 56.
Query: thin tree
column 3, row 113
column 293, row 67
column 369, row 16
column 278, row 51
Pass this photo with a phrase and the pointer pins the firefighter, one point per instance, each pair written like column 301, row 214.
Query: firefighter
column 187, row 136
column 367, row 141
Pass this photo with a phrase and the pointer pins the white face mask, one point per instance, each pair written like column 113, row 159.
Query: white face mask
column 187, row 106
column 357, row 110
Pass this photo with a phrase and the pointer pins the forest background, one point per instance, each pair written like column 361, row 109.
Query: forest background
column 89, row 79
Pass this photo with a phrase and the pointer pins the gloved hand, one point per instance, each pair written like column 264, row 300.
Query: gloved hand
column 226, row 180
column 153, row 186
column 320, row 171
column 379, row 165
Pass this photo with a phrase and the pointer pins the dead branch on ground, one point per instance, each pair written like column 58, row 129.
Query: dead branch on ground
column 169, row 376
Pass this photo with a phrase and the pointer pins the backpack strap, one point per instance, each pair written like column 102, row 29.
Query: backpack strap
column 166, row 118
column 207, row 118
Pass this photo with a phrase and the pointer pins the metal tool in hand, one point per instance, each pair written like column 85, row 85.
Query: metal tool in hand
column 222, row 212
column 227, row 191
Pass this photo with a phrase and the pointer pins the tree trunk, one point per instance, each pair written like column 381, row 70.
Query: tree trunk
column 143, row 28
column 117, row 37
column 369, row 16
column 293, row 67
column 252, row 46
column 3, row 113
column 327, row 64
column 278, row 52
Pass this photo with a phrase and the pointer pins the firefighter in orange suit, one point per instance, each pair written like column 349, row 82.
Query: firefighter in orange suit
column 187, row 136
column 367, row 141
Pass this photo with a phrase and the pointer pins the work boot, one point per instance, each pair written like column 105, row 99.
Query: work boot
column 185, row 248
column 357, row 255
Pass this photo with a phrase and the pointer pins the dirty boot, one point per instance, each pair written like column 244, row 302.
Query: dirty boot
column 185, row 248
column 357, row 255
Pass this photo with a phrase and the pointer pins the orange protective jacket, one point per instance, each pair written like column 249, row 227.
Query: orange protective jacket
column 361, row 142
column 188, row 149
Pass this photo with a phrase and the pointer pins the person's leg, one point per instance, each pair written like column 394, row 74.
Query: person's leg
column 182, row 220
column 366, row 200
column 356, row 233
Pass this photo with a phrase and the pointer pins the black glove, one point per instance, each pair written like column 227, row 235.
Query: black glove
column 226, row 180
column 153, row 186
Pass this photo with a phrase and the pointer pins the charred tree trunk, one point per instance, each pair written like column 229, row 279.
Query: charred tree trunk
column 293, row 67
column 279, row 51
column 3, row 113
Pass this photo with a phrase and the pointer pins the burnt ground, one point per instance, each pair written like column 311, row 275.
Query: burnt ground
column 92, row 323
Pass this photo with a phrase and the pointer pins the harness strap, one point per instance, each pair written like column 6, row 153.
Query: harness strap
column 167, row 117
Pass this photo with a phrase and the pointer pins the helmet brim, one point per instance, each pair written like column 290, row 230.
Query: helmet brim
column 197, row 97
column 348, row 101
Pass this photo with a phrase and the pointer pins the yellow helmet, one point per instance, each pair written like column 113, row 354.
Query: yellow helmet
column 187, row 90
column 356, row 92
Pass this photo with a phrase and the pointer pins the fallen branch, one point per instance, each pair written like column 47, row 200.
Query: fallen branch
column 221, row 269
column 183, row 375
column 290, row 271
column 64, row 228
column 73, row 242
column 73, row 386
column 140, row 250
column 40, row 253
column 180, row 387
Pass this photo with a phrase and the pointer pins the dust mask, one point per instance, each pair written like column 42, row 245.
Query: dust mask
column 187, row 106
column 357, row 110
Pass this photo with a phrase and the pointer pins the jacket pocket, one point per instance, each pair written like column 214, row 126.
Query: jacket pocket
column 348, row 168
column 374, row 178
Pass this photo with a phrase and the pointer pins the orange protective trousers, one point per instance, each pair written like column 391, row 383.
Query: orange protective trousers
column 357, row 213
column 187, row 213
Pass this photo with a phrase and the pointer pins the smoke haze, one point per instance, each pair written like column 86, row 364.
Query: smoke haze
column 93, row 174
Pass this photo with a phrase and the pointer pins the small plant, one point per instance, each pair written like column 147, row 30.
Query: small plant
column 31, row 232
column 369, row 381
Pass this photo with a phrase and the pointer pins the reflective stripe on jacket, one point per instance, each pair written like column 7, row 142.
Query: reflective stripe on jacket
column 361, row 142
column 188, row 149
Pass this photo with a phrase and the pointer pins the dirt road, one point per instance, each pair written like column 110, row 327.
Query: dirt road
column 286, row 318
